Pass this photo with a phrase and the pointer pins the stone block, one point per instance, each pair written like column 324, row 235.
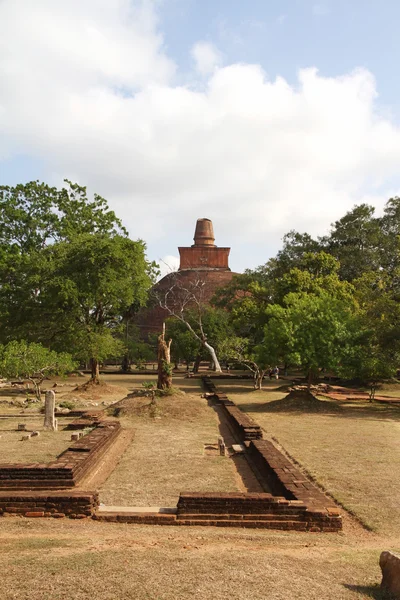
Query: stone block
column 238, row 448
column 390, row 566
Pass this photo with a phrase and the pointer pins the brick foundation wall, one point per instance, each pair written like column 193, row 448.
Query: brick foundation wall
column 295, row 502
column 69, row 468
column 244, row 426
column 77, row 505
column 255, row 510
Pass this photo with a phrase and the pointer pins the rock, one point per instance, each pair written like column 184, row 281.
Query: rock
column 390, row 566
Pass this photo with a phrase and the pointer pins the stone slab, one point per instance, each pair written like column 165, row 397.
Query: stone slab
column 238, row 448
column 138, row 509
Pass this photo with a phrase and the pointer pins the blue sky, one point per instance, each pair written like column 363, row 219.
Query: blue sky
column 285, row 35
column 262, row 115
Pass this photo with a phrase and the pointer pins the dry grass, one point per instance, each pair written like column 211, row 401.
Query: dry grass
column 352, row 449
column 167, row 454
column 59, row 560
column 42, row 449
column 48, row 559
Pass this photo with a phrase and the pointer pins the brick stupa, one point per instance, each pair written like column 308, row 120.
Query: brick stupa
column 204, row 254
column 203, row 261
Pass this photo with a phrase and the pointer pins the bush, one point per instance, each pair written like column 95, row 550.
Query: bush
column 67, row 404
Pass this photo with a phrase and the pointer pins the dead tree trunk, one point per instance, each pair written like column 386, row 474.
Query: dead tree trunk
column 214, row 359
column 164, row 381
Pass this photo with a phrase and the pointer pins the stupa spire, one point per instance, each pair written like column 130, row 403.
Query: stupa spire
column 204, row 233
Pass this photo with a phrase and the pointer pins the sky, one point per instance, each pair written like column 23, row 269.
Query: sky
column 264, row 116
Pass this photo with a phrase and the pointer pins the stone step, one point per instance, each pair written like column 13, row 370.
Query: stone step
column 239, row 517
column 147, row 518
column 138, row 509
column 287, row 525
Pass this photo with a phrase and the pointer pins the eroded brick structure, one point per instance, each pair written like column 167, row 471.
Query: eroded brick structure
column 203, row 263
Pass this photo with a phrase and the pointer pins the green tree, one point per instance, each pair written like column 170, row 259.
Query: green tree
column 355, row 241
column 33, row 362
column 136, row 350
column 312, row 331
column 72, row 295
column 92, row 281
column 253, row 358
column 375, row 354
column 32, row 215
column 185, row 346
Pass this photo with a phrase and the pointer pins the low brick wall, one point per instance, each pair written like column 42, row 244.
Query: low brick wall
column 76, row 505
column 282, row 476
column 85, row 418
column 244, row 427
column 255, row 510
column 69, row 468
column 295, row 502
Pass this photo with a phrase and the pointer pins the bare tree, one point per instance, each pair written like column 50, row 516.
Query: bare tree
column 252, row 358
column 188, row 295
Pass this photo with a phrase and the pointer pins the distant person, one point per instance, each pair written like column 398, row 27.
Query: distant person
column 276, row 372
column 271, row 372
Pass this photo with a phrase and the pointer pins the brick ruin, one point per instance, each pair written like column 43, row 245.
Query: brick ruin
column 203, row 261
column 289, row 501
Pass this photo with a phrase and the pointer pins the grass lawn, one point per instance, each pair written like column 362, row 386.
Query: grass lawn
column 166, row 455
column 41, row 449
column 351, row 448
column 62, row 559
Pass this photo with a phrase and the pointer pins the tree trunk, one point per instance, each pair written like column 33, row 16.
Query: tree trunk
column 258, row 379
column 95, row 372
column 36, row 387
column 196, row 364
column 164, row 381
column 309, row 380
column 126, row 364
column 217, row 366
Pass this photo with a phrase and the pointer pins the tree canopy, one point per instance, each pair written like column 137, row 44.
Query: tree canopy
column 69, row 272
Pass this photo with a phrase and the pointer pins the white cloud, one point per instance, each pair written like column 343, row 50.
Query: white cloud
column 206, row 56
column 88, row 89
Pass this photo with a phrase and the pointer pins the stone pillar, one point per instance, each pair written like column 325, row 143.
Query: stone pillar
column 49, row 406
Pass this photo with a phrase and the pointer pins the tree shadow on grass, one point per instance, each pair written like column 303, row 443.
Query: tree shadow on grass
column 370, row 591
